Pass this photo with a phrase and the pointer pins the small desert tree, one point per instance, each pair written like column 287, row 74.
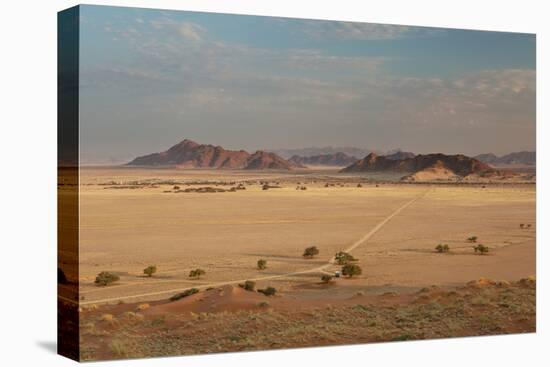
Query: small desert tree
column 105, row 278
column 351, row 270
column 521, row 225
column 150, row 270
column 184, row 294
column 481, row 249
column 326, row 278
column 472, row 239
column 196, row 273
column 310, row 252
column 248, row 285
column 343, row 258
column 269, row 291
column 262, row 264
column 442, row 247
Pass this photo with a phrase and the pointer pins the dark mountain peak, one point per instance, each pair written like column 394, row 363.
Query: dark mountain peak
column 189, row 154
column 428, row 166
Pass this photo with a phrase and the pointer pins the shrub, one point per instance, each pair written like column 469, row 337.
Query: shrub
column 472, row 239
column 185, row 293
column 150, row 270
column 343, row 258
column 105, row 278
column 262, row 264
column 248, row 285
column 310, row 252
column 142, row 307
column 263, row 304
column 528, row 226
column 176, row 188
column 107, row 317
column 359, row 185
column 481, row 249
column 326, row 278
column 442, row 247
column 196, row 273
column 269, row 291
column 521, row 225
column 350, row 270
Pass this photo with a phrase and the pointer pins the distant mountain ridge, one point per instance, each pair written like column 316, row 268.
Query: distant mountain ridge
column 400, row 155
column 315, row 151
column 517, row 158
column 339, row 159
column 189, row 154
column 428, row 167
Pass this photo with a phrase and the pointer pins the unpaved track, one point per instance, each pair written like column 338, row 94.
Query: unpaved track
column 321, row 268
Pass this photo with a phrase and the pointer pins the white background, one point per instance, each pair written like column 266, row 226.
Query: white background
column 28, row 182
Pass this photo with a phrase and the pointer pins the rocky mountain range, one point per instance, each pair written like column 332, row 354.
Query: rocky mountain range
column 315, row 151
column 425, row 167
column 338, row 159
column 189, row 154
column 517, row 158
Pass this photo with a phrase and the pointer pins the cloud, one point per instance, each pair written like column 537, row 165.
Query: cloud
column 331, row 30
column 191, row 31
column 177, row 73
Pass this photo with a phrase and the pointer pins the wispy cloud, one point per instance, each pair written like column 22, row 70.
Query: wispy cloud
column 330, row 30
column 179, row 72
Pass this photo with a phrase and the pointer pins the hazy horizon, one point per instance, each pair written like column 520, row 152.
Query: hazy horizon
column 151, row 78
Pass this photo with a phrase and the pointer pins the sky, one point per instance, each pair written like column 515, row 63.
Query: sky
column 150, row 78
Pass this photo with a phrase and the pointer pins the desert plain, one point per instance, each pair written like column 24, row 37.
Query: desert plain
column 131, row 218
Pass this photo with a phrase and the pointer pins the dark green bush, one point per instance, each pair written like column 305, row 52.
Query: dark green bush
column 262, row 264
column 269, row 291
column 184, row 294
column 248, row 285
column 343, row 258
column 311, row 252
column 442, row 247
column 105, row 278
column 350, row 270
column 196, row 273
column 150, row 270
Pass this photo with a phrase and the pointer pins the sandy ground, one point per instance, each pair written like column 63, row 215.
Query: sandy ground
column 230, row 319
column 125, row 230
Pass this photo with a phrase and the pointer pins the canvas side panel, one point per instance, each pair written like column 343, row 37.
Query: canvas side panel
column 68, row 181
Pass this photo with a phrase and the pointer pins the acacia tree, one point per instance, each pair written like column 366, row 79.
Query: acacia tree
column 196, row 273
column 472, row 239
column 343, row 258
column 269, row 291
column 248, row 285
column 325, row 278
column 150, row 270
column 442, row 247
column 105, row 278
column 481, row 249
column 262, row 264
column 351, row 270
column 310, row 252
